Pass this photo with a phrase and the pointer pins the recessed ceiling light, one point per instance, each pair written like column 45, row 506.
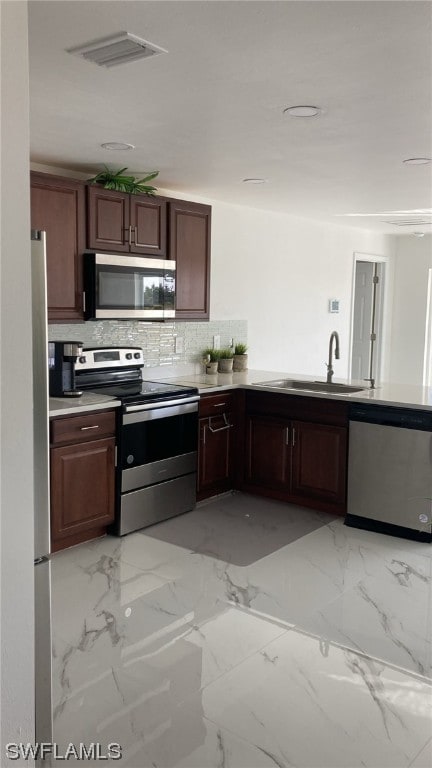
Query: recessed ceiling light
column 255, row 181
column 302, row 111
column 418, row 234
column 117, row 145
column 418, row 161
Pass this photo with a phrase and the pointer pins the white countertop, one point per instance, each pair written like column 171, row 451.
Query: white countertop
column 66, row 406
column 404, row 395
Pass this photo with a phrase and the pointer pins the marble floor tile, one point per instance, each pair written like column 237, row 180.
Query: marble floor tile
column 381, row 619
column 320, row 706
column 424, row 758
column 248, row 633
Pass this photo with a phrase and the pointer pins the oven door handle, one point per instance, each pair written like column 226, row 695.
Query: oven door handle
column 135, row 413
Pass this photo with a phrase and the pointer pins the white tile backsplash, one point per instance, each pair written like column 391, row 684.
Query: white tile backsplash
column 157, row 340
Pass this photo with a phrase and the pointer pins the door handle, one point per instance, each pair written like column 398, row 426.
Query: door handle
column 293, row 437
column 130, row 234
column 287, row 436
column 136, row 234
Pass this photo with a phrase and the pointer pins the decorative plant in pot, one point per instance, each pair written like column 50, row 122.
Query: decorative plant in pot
column 118, row 181
column 211, row 359
column 226, row 357
column 240, row 357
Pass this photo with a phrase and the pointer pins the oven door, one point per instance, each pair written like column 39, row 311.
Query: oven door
column 128, row 287
column 158, row 442
column 158, row 463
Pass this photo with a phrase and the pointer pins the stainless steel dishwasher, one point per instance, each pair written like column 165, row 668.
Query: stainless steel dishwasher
column 390, row 471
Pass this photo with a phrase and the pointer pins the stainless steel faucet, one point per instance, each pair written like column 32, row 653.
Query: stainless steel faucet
column 334, row 336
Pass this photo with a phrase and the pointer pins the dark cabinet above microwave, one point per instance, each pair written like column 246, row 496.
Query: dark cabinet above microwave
column 111, row 219
column 122, row 223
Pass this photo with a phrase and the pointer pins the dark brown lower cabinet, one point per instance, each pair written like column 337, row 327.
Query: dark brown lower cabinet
column 268, row 456
column 82, row 478
column 214, row 472
column 319, row 462
column 303, row 462
column 215, row 449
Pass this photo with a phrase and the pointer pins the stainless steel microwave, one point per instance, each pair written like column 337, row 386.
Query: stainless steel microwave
column 120, row 287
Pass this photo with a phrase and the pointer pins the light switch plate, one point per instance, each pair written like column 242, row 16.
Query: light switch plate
column 179, row 344
column 216, row 341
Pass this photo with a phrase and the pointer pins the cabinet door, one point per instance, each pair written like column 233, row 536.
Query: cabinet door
column 319, row 461
column 108, row 220
column 189, row 246
column 58, row 208
column 82, row 489
column 267, row 452
column 149, row 225
column 214, row 464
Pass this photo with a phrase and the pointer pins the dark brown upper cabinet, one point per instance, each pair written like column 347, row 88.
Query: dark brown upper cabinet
column 58, row 208
column 189, row 246
column 123, row 223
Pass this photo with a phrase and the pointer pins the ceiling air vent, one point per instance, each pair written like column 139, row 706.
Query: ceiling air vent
column 117, row 49
column 419, row 221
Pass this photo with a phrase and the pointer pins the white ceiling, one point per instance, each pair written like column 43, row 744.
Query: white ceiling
column 210, row 112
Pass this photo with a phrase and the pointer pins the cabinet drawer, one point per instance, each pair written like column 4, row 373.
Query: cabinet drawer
column 212, row 405
column 89, row 426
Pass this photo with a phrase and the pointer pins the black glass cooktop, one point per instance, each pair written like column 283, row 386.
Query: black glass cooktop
column 145, row 391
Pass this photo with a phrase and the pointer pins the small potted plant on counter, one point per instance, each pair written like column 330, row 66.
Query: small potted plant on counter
column 211, row 359
column 226, row 360
column 240, row 357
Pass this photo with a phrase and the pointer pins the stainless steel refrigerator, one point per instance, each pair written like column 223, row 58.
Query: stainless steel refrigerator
column 42, row 571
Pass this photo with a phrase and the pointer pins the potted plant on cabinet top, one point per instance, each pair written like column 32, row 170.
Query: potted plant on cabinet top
column 226, row 360
column 116, row 180
column 211, row 358
column 240, row 357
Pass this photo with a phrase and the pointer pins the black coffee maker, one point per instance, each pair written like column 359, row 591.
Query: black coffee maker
column 62, row 356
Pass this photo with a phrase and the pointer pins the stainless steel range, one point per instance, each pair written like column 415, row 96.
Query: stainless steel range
column 157, row 437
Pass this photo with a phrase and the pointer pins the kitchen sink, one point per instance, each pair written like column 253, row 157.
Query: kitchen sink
column 311, row 386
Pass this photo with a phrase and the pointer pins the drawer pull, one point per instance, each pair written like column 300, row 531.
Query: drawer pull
column 218, row 405
column 84, row 429
column 227, row 425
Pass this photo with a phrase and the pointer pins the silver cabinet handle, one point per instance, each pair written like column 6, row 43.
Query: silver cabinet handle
column 130, row 234
column 293, row 436
column 287, row 440
column 219, row 405
column 227, row 425
column 136, row 234
column 204, row 434
column 84, row 429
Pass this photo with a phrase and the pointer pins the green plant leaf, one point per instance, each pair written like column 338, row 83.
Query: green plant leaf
column 124, row 183
column 150, row 177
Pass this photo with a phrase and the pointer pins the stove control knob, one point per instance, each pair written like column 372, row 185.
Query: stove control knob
column 83, row 359
column 128, row 355
column 130, row 458
column 137, row 355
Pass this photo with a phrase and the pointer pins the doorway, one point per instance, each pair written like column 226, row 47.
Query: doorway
column 367, row 316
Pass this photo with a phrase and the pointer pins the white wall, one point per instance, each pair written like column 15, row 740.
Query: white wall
column 413, row 259
column 279, row 272
column 17, row 648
